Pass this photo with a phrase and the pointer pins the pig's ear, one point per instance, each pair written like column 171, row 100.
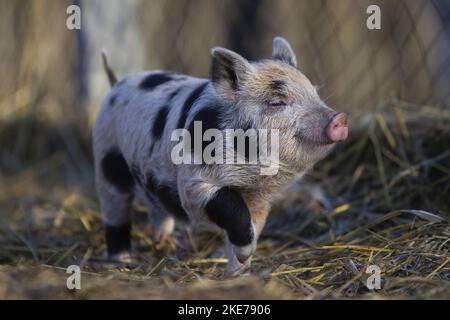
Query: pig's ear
column 228, row 72
column 282, row 51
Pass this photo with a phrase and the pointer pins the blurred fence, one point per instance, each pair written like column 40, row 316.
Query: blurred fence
column 358, row 69
column 43, row 63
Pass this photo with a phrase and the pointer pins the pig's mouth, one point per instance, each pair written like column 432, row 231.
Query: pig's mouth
column 307, row 136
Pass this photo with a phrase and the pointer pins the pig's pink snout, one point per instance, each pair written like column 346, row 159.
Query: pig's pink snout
column 337, row 129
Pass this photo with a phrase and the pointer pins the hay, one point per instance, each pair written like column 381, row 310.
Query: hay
column 380, row 199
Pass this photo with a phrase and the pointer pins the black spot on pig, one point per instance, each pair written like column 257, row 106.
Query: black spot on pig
column 174, row 94
column 136, row 173
column 112, row 100
column 116, row 171
column 156, row 79
column 191, row 99
column 150, row 182
column 150, row 149
column 160, row 122
column 210, row 119
column 228, row 210
column 170, row 199
column 118, row 239
column 168, row 196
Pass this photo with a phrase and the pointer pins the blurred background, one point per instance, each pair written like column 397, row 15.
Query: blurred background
column 55, row 74
column 393, row 82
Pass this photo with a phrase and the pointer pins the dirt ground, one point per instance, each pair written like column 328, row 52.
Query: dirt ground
column 381, row 199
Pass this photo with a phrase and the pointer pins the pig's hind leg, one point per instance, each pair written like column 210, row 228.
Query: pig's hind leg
column 115, row 189
column 162, row 228
column 161, row 221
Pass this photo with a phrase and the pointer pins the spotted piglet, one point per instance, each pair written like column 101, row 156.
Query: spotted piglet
column 154, row 127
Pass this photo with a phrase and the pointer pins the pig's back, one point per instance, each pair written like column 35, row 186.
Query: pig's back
column 143, row 110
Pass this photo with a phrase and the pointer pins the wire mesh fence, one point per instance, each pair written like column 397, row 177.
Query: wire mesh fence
column 356, row 68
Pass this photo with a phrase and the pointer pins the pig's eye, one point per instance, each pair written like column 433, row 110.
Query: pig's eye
column 278, row 103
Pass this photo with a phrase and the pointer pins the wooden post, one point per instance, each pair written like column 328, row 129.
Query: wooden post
column 113, row 25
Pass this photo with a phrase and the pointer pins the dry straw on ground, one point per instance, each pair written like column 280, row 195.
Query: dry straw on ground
column 380, row 199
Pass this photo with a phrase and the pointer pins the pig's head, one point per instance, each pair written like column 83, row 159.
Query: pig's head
column 275, row 94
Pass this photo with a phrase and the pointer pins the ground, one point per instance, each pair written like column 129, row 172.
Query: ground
column 381, row 199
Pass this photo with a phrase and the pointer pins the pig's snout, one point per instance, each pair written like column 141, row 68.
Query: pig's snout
column 337, row 129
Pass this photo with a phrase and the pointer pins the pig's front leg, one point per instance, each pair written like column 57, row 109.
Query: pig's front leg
column 226, row 207
column 228, row 210
column 235, row 266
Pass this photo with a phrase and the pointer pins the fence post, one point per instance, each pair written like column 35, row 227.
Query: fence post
column 115, row 26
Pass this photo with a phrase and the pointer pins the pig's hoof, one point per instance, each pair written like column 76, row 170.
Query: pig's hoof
column 161, row 237
column 238, row 269
column 234, row 273
column 163, row 229
column 124, row 257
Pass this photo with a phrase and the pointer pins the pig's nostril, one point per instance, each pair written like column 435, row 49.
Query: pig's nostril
column 337, row 129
